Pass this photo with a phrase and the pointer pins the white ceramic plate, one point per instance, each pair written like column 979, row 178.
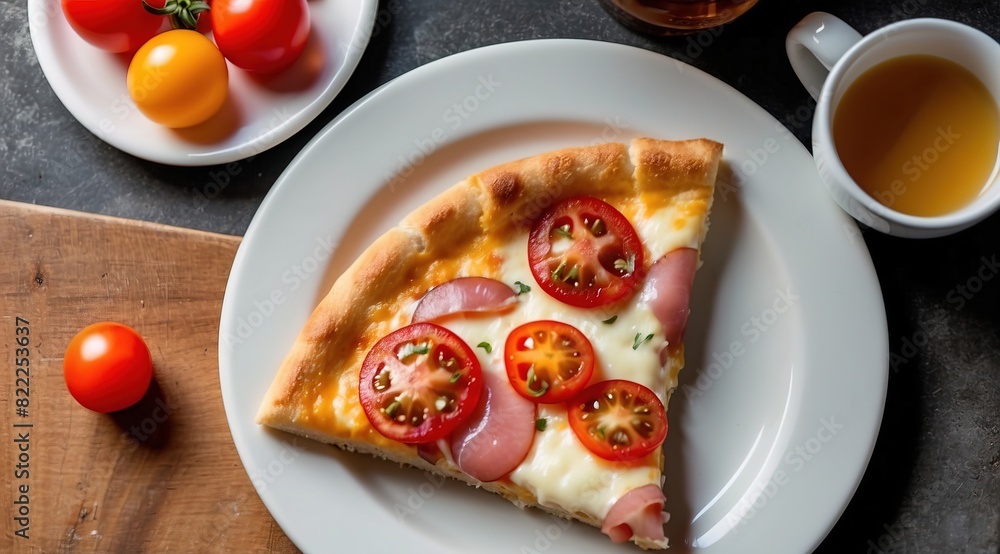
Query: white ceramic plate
column 782, row 398
column 259, row 114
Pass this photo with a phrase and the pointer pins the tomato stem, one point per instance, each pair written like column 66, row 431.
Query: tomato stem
column 183, row 14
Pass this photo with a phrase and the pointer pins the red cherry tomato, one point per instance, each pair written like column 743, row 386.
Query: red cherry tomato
column 548, row 361
column 585, row 253
column 618, row 420
column 113, row 25
column 262, row 36
column 107, row 367
column 419, row 383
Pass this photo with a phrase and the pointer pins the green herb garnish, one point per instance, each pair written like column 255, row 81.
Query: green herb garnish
column 639, row 339
column 532, row 379
column 573, row 274
column 390, row 410
column 557, row 272
column 628, row 266
column 564, row 231
column 409, row 349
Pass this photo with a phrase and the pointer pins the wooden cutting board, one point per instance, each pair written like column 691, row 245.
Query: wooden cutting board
column 163, row 475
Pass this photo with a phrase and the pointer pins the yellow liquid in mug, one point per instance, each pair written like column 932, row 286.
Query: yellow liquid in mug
column 919, row 134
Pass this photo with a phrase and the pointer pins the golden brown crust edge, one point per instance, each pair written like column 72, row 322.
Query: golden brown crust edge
column 510, row 194
column 335, row 324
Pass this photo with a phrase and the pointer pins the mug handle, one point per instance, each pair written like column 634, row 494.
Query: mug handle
column 815, row 45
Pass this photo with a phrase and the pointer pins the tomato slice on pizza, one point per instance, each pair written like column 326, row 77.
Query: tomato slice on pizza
column 618, row 419
column 548, row 361
column 418, row 383
column 585, row 253
column 522, row 331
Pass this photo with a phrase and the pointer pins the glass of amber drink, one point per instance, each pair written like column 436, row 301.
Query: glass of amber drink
column 674, row 17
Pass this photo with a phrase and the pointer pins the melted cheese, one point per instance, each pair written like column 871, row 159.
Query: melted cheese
column 558, row 470
column 669, row 227
column 616, row 359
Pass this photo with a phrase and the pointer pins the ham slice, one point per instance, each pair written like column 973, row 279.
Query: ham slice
column 638, row 513
column 465, row 294
column 499, row 434
column 668, row 290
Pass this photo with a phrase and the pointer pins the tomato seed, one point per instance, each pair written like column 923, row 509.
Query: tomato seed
column 597, row 227
column 644, row 428
column 382, row 380
column 620, row 438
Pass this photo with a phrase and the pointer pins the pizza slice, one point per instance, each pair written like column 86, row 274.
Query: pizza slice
column 521, row 331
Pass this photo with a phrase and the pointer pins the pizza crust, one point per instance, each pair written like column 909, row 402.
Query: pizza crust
column 493, row 203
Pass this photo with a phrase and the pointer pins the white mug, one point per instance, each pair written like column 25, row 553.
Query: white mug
column 828, row 55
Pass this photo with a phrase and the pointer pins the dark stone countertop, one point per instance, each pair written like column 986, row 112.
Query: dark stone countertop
column 932, row 484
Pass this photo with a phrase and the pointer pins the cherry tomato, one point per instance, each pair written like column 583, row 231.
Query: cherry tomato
column 419, row 383
column 107, row 367
column 178, row 79
column 585, row 253
column 113, row 25
column 262, row 36
column 548, row 361
column 618, row 420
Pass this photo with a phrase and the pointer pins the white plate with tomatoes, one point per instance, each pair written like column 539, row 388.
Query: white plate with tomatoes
column 259, row 111
column 779, row 406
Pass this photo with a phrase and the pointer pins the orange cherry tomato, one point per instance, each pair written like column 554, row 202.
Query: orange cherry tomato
column 107, row 367
column 548, row 361
column 178, row 79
